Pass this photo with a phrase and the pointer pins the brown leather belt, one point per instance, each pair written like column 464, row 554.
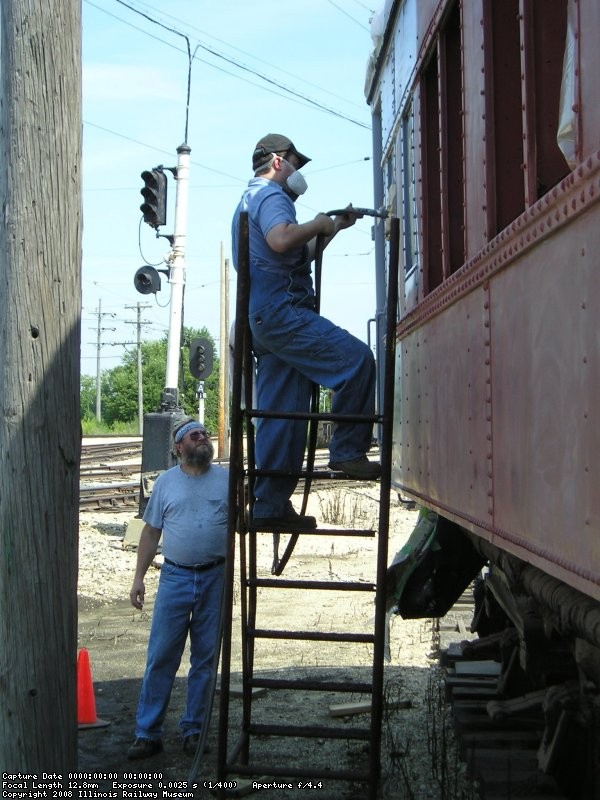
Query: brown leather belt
column 196, row 567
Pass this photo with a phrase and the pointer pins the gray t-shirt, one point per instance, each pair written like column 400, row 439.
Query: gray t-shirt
column 191, row 510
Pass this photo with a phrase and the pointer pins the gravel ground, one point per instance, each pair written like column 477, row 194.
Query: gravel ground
column 419, row 760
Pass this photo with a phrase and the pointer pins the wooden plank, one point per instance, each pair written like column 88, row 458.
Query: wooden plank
column 473, row 692
column 348, row 709
column 472, row 680
column 483, row 668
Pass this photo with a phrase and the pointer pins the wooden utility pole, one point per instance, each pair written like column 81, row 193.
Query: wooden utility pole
column 139, row 324
column 99, row 331
column 40, row 287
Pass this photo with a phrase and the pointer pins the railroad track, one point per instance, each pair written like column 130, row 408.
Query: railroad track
column 110, row 475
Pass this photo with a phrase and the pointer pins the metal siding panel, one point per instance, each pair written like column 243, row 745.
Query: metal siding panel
column 405, row 50
column 388, row 105
column 546, row 413
column 443, row 411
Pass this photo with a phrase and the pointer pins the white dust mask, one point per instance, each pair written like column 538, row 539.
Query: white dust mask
column 296, row 183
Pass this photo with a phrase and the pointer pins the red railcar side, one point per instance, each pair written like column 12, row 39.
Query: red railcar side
column 487, row 137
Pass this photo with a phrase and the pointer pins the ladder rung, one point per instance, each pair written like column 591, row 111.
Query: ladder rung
column 311, row 636
column 315, row 475
column 314, row 772
column 309, row 685
column 342, row 586
column 367, row 534
column 324, row 416
column 310, row 731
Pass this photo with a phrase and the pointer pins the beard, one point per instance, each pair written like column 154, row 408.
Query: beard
column 200, row 456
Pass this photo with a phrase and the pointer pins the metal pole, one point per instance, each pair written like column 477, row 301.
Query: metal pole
column 139, row 372
column 177, row 278
column 224, row 361
column 98, row 346
column 201, row 396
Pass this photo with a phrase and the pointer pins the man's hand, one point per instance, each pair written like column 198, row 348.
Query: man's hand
column 137, row 593
column 347, row 219
column 327, row 225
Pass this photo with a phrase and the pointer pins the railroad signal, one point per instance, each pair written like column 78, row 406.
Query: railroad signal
column 201, row 358
column 147, row 280
column 154, row 207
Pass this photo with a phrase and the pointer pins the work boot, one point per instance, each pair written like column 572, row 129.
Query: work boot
column 289, row 521
column 360, row 468
column 144, row 748
column 190, row 744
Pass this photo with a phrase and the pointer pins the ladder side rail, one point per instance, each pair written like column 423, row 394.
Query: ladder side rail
column 248, row 591
column 384, row 508
column 236, row 469
column 247, row 540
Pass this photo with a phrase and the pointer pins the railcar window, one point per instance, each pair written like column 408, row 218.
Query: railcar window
column 546, row 31
column 523, row 69
column 442, row 107
column 432, row 206
column 452, row 138
column 409, row 209
column 503, row 114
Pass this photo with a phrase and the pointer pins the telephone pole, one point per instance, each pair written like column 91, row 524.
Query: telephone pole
column 40, row 429
column 139, row 324
column 99, row 343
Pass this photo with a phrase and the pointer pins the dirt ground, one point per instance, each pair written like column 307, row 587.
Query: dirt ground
column 115, row 635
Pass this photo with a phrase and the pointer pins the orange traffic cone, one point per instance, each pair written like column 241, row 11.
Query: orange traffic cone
column 86, row 702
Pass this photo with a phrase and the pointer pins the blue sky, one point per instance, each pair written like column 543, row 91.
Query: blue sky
column 135, row 76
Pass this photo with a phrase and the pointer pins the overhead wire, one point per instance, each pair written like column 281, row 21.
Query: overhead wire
column 343, row 11
column 271, row 81
column 214, row 66
column 279, row 69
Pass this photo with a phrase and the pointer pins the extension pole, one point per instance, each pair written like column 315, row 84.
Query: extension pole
column 223, row 422
column 177, row 278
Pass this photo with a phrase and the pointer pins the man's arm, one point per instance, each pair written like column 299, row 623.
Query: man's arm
column 289, row 235
column 147, row 547
column 340, row 221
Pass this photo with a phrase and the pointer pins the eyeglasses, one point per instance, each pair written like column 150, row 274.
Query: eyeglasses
column 195, row 435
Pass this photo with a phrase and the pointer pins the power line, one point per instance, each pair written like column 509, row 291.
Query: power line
column 343, row 11
column 362, row 5
column 158, row 149
column 232, row 61
column 257, row 58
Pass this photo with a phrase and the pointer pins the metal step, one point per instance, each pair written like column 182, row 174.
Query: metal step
column 308, row 685
column 283, row 583
column 310, row 636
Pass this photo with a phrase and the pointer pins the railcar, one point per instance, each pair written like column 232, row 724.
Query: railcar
column 486, row 139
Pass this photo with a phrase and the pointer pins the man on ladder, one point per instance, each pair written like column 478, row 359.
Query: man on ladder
column 294, row 346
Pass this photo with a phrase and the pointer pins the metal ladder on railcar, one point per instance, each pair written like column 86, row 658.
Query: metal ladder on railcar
column 236, row 761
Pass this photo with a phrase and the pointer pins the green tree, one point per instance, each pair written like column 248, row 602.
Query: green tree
column 87, row 392
column 119, row 385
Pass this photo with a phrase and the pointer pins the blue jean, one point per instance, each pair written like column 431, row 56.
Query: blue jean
column 187, row 601
column 296, row 347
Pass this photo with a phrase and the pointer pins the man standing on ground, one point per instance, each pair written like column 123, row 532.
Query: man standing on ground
column 294, row 346
column 188, row 506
